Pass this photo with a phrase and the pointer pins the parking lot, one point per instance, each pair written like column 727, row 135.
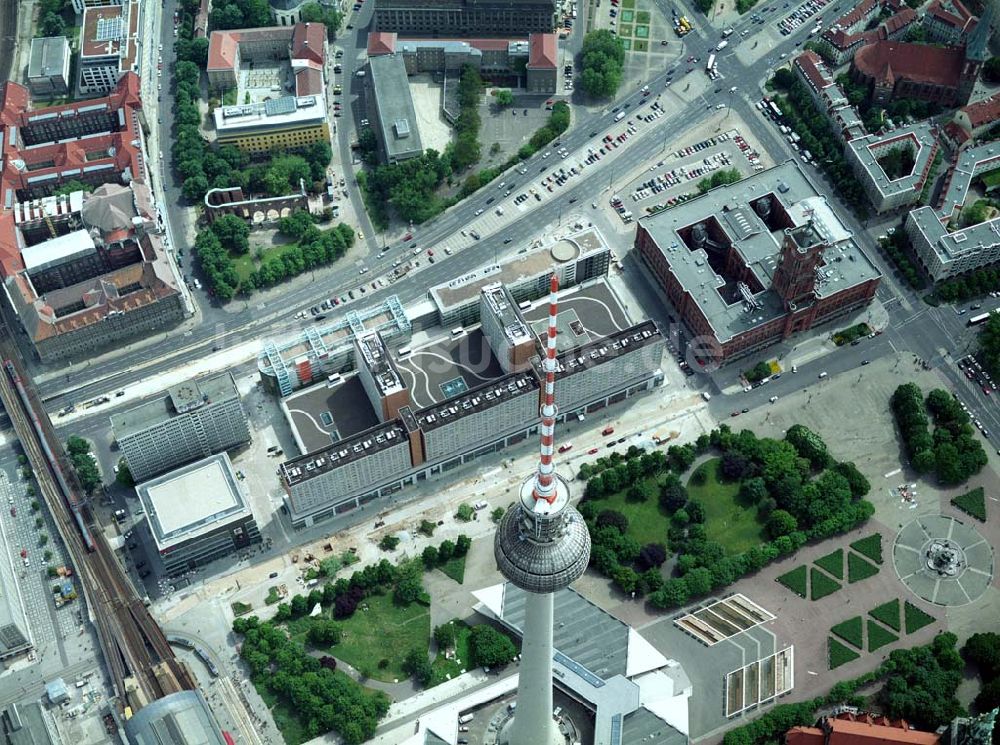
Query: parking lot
column 801, row 16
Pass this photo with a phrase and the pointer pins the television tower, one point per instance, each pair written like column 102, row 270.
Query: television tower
column 541, row 545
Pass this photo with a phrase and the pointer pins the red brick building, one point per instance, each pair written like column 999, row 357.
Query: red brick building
column 859, row 729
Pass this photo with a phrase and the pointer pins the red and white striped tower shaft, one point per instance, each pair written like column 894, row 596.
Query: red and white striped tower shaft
column 545, row 487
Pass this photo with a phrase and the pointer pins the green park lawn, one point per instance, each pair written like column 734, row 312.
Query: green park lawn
column 878, row 636
column 832, row 563
column 915, row 619
column 795, row 580
column 647, row 521
column 442, row 668
column 850, row 631
column 870, row 546
column 642, row 16
column 384, row 631
column 859, row 569
column 820, row 585
column 625, row 30
column 640, row 45
column 840, row 654
column 729, row 523
column 887, row 613
column 247, row 263
column 454, row 568
column 972, row 503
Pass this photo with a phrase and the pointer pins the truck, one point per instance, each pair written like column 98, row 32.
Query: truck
column 619, row 116
column 721, row 45
column 727, row 33
column 466, row 718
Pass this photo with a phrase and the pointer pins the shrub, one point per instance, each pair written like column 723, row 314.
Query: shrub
column 795, row 580
column 821, row 585
column 972, row 503
column 832, row 563
column 465, row 512
column 614, row 519
column 914, row 618
column 870, row 546
column 878, row 636
column 652, row 555
column 388, row 542
column 850, row 631
column 497, row 514
column 490, row 647
column 859, row 569
column 427, row 528
column 887, row 613
column 839, row 654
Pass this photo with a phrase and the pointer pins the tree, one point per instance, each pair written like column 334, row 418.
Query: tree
column 462, row 544
column 430, row 557
column 753, row 490
column 445, row 635
column 603, row 56
column 51, row 24
column 735, row 466
column 991, row 69
column 983, row 650
column 465, row 512
column 612, row 518
column 299, row 606
column 497, row 514
column 427, row 527
column 446, row 550
column 124, row 475
column 673, row 495
column 490, row 647
column 781, row 523
column 504, row 98
column 809, row 445
column 389, row 543
column 642, row 491
column 415, row 664
column 408, row 589
column 327, row 15
column 323, row 632
column 652, row 555
column 296, row 224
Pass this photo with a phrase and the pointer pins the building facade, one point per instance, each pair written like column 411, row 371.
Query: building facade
column 48, row 66
column 978, row 118
column 194, row 420
column 465, row 17
column 948, row 22
column 753, row 263
column 109, row 46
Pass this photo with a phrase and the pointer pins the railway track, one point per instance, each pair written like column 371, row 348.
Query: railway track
column 8, row 35
column 142, row 665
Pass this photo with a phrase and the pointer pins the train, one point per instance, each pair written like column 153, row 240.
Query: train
column 67, row 491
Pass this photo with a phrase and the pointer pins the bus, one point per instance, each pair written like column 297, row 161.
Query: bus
column 981, row 318
column 774, row 108
column 711, row 62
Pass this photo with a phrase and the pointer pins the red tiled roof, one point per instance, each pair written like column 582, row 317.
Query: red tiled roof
column 486, row 45
column 900, row 20
column 952, row 13
column 308, row 41
column 381, row 42
column 847, row 732
column 543, row 51
column 223, row 47
column 955, row 133
column 308, row 81
column 804, row 736
column 983, row 112
column 857, row 14
column 886, row 61
column 808, row 62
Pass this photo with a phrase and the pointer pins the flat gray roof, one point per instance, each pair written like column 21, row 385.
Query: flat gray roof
column 210, row 389
column 642, row 725
column 25, row 725
column 448, row 367
column 13, row 629
column 48, row 56
column 397, row 118
column 729, row 216
column 325, row 413
column 192, row 500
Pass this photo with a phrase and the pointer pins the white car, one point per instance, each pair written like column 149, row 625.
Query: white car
column 479, row 212
column 364, row 270
column 546, row 154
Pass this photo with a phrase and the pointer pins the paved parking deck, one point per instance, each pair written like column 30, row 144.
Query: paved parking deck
column 595, row 307
column 440, row 370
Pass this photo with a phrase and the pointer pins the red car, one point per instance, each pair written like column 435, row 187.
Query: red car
column 607, row 431
column 986, row 390
column 591, row 451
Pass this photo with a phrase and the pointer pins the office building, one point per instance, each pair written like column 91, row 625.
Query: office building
column 109, row 46
column 943, row 252
column 379, row 377
column 867, row 157
column 284, row 123
column 465, row 17
column 28, row 724
column 197, row 513
column 505, row 329
column 531, row 64
column 48, row 66
column 462, row 410
column 753, row 263
column 193, row 420
column 394, row 116
column 185, row 713
column 93, row 271
column 14, row 639
column 541, row 546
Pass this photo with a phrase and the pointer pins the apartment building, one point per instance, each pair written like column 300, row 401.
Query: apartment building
column 889, row 191
column 195, row 419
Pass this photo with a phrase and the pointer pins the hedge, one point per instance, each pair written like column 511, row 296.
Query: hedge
column 915, row 618
column 832, row 563
column 870, row 546
column 820, row 585
column 795, row 580
column 859, row 569
column 972, row 503
column 879, row 636
column 850, row 631
column 839, row 654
